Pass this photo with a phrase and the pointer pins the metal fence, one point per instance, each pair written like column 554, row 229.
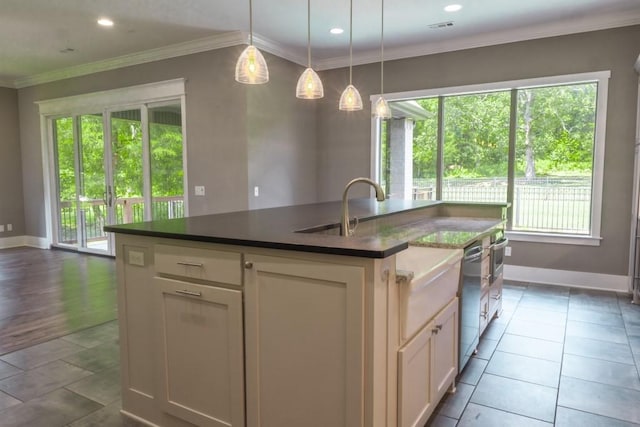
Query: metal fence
column 93, row 215
column 555, row 205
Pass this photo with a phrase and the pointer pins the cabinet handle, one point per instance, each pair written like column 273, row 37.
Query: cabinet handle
column 497, row 297
column 434, row 331
column 248, row 265
column 190, row 264
column 486, row 276
column 439, row 327
column 190, row 293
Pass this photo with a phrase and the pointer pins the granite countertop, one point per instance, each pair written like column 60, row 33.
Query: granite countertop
column 377, row 235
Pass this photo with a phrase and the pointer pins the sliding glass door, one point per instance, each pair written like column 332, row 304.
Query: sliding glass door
column 116, row 167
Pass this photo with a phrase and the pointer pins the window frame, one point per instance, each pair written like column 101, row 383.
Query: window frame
column 600, row 77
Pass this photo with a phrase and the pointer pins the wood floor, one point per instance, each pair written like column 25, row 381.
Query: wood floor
column 45, row 294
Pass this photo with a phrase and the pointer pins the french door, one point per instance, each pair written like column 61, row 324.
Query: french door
column 115, row 167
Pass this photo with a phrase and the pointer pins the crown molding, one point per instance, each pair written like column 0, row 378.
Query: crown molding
column 7, row 84
column 559, row 28
column 274, row 48
column 218, row 41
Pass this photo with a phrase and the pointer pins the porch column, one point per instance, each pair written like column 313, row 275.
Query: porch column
column 401, row 158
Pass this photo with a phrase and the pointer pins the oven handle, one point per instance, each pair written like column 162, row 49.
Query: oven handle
column 473, row 254
column 500, row 244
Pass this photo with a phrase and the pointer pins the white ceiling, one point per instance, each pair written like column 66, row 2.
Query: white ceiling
column 36, row 35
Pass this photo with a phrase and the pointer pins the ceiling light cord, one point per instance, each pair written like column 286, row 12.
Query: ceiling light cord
column 382, row 51
column 250, row 22
column 309, row 33
column 350, row 41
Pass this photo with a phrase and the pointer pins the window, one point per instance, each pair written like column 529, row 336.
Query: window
column 537, row 144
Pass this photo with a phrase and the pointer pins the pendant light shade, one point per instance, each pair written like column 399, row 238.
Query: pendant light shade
column 350, row 99
column 251, row 67
column 381, row 108
column 309, row 84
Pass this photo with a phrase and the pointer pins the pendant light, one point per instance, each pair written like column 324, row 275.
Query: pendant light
column 381, row 107
column 309, row 84
column 251, row 67
column 350, row 99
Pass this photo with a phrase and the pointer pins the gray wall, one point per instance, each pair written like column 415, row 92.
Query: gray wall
column 221, row 146
column 344, row 138
column 282, row 141
column 11, row 204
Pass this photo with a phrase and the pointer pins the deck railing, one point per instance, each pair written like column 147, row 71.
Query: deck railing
column 555, row 205
column 93, row 214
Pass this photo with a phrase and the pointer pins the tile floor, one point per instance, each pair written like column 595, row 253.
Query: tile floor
column 555, row 357
column 68, row 381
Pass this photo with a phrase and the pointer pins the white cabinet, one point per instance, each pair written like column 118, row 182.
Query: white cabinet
column 445, row 353
column 427, row 366
column 200, row 349
column 304, row 342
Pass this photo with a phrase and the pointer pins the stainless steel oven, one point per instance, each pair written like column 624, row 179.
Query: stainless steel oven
column 498, row 244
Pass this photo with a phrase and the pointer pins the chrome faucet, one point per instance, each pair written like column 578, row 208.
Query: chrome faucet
column 345, row 228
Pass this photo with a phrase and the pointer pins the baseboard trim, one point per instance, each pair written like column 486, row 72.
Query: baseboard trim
column 17, row 241
column 574, row 279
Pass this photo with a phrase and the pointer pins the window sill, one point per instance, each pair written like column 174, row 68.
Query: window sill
column 561, row 239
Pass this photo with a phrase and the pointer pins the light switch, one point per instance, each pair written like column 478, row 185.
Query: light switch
column 199, row 190
column 9, row 227
column 1, row 228
column 256, row 191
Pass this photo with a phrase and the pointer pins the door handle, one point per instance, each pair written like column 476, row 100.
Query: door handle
column 109, row 200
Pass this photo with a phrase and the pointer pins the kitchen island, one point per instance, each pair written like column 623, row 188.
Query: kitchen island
column 268, row 318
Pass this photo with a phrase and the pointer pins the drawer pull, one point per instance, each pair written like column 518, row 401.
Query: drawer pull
column 248, row 265
column 190, row 293
column 190, row 264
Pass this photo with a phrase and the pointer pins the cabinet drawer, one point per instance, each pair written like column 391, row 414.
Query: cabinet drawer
column 198, row 263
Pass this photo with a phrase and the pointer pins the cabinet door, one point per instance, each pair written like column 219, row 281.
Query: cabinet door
column 200, row 349
column 304, row 342
column 445, row 348
column 415, row 378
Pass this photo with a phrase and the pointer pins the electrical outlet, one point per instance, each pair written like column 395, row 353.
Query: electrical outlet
column 507, row 251
column 136, row 258
column 256, row 191
column 199, row 190
column 9, row 227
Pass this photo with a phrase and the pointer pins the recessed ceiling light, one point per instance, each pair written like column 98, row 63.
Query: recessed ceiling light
column 105, row 22
column 336, row 31
column 453, row 8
